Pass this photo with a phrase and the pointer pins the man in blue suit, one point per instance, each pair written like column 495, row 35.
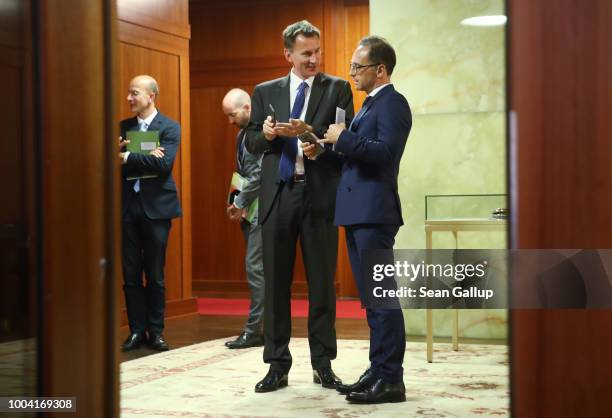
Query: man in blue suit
column 368, row 205
column 149, row 202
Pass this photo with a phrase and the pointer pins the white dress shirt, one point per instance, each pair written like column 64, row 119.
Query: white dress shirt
column 294, row 83
column 377, row 89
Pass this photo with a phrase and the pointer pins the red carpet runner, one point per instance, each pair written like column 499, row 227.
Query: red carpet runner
column 299, row 308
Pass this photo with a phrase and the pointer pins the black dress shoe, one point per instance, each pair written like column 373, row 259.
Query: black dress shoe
column 365, row 380
column 157, row 342
column 326, row 377
column 379, row 392
column 275, row 379
column 245, row 340
column 133, row 342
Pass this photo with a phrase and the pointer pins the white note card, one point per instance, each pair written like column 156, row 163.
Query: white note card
column 340, row 115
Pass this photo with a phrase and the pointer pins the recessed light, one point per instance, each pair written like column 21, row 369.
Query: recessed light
column 493, row 20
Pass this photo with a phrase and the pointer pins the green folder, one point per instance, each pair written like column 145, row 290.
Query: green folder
column 236, row 185
column 142, row 142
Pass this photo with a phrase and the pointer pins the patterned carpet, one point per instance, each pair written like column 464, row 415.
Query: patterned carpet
column 208, row 380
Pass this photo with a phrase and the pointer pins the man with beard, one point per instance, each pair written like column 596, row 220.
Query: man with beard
column 236, row 106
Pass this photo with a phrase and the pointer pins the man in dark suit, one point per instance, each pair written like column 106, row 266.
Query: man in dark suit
column 149, row 202
column 237, row 107
column 296, row 200
column 368, row 205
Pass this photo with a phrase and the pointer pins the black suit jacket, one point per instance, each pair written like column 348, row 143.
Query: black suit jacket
column 322, row 174
column 159, row 194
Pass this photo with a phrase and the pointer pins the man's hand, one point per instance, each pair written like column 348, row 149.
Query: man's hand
column 123, row 143
column 122, row 148
column 234, row 213
column 268, row 129
column 333, row 133
column 294, row 128
column 310, row 150
column 158, row 152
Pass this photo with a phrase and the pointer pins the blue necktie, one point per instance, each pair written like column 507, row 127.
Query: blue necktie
column 142, row 128
column 287, row 162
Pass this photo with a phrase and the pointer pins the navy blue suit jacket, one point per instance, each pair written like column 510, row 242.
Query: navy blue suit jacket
column 159, row 194
column 372, row 148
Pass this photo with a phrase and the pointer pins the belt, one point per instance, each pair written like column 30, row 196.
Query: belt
column 299, row 178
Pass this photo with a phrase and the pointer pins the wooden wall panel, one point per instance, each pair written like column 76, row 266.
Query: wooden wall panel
column 154, row 39
column 164, row 68
column 235, row 50
column 357, row 24
column 560, row 84
column 170, row 16
column 234, row 30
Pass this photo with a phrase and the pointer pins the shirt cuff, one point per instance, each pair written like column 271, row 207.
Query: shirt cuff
column 125, row 156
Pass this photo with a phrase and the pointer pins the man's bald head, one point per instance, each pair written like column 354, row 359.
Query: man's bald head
column 142, row 93
column 147, row 82
column 237, row 98
column 237, row 107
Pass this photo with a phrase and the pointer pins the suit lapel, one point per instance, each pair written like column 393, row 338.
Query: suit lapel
column 355, row 123
column 281, row 100
column 155, row 123
column 318, row 86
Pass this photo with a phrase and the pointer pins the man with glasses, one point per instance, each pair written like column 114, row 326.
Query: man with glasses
column 296, row 200
column 372, row 148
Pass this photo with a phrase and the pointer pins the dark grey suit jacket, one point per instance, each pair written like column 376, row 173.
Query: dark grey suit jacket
column 322, row 174
column 249, row 167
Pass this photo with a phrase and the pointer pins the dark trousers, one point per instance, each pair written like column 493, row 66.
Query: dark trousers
column 291, row 218
column 144, row 251
column 387, row 332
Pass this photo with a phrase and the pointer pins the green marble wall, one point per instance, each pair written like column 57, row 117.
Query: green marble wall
column 454, row 79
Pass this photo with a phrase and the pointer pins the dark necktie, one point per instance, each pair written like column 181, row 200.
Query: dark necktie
column 240, row 148
column 287, row 162
column 355, row 122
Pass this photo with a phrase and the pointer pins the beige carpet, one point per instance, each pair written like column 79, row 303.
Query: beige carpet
column 208, row 380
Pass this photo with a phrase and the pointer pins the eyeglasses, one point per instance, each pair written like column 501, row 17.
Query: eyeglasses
column 355, row 68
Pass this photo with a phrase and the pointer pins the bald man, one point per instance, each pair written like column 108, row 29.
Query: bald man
column 149, row 203
column 237, row 107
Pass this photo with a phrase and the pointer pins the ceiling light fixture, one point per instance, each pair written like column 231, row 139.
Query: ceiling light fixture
column 493, row 20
